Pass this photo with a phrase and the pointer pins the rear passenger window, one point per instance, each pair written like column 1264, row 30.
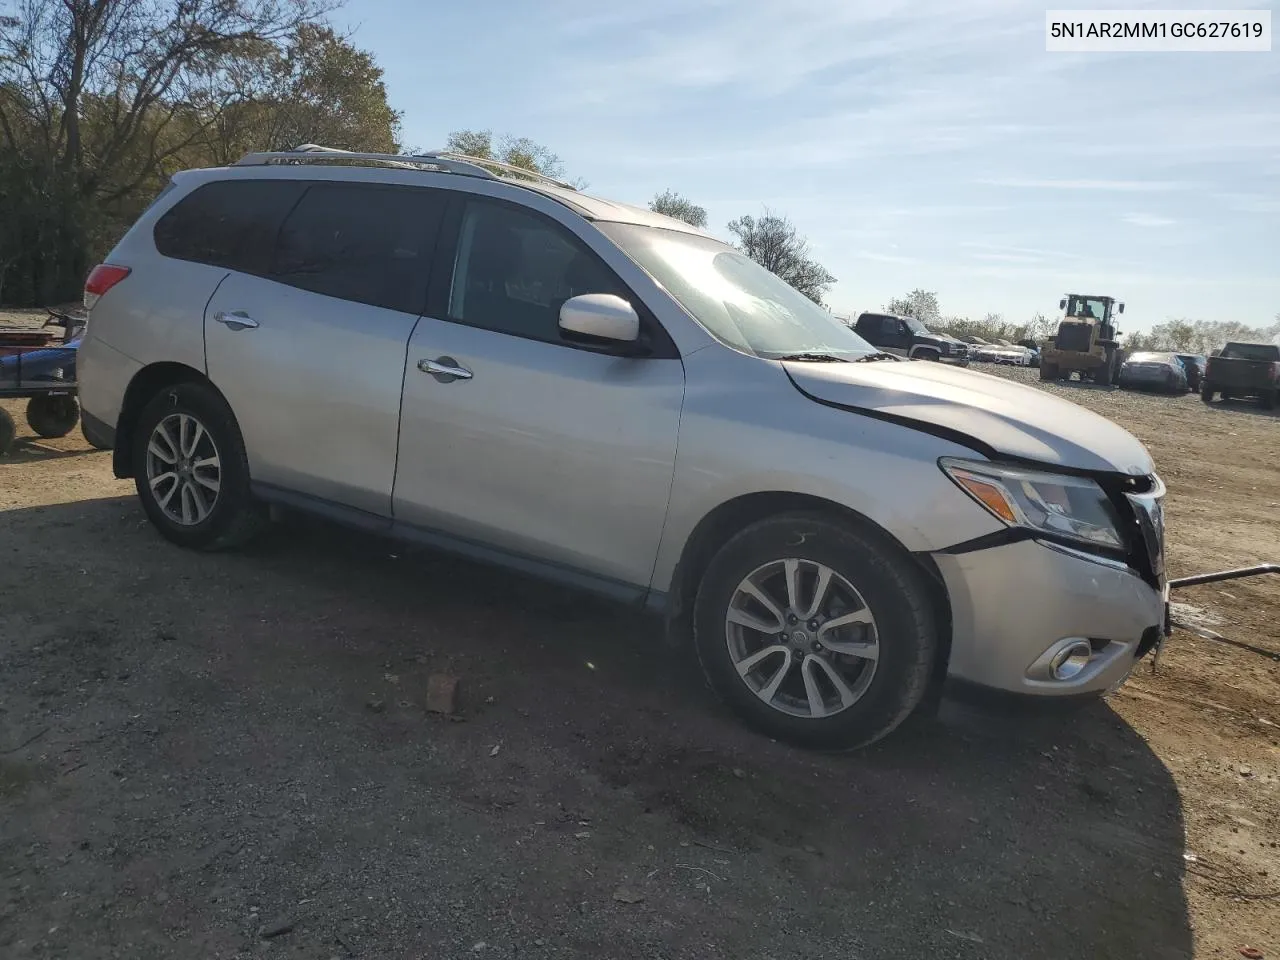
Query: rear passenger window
column 368, row 243
column 228, row 223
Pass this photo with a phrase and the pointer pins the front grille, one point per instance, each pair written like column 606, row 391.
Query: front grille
column 1074, row 336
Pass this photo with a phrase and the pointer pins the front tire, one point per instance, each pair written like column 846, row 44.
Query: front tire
column 52, row 416
column 815, row 632
column 1106, row 373
column 190, row 469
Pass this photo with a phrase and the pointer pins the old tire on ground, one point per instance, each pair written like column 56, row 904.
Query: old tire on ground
column 815, row 632
column 1206, row 392
column 190, row 469
column 52, row 417
column 8, row 431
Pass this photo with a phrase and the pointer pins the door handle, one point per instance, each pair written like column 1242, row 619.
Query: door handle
column 235, row 320
column 444, row 369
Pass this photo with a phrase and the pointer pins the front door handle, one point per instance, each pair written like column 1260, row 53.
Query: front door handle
column 444, row 369
column 235, row 320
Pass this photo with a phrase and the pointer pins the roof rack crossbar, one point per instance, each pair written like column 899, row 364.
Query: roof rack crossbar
column 440, row 160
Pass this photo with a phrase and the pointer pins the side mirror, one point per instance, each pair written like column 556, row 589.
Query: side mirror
column 1122, row 308
column 601, row 316
column 1062, row 304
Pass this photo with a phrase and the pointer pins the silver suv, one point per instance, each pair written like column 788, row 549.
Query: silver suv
column 609, row 398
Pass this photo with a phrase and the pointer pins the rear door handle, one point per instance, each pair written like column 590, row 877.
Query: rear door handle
column 235, row 320
column 444, row 369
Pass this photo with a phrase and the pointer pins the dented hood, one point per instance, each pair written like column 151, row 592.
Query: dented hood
column 994, row 414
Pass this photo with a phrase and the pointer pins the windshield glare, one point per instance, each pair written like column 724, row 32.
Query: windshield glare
column 736, row 300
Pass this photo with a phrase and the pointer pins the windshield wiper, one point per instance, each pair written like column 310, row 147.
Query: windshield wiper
column 873, row 357
column 813, row 357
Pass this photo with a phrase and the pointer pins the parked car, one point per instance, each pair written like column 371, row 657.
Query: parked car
column 1153, row 371
column 1243, row 370
column 908, row 337
column 608, row 398
column 1034, row 349
column 1193, row 364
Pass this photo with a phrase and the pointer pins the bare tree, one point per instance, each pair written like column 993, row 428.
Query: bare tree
column 671, row 204
column 921, row 304
column 772, row 242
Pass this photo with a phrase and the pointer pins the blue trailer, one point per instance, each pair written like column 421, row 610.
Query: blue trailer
column 35, row 365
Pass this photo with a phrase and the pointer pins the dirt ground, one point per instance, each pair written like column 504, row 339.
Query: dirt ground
column 229, row 756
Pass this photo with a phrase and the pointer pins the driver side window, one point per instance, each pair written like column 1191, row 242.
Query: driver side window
column 514, row 269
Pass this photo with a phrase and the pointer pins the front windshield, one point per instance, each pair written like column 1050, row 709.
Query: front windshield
column 739, row 302
column 1085, row 308
column 914, row 325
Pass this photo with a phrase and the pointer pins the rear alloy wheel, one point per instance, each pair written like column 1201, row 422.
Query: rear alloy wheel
column 184, row 469
column 53, row 416
column 814, row 632
column 190, row 469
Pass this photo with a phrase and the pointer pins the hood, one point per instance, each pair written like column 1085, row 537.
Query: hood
column 994, row 415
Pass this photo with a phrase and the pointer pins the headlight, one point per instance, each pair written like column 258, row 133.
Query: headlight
column 1050, row 503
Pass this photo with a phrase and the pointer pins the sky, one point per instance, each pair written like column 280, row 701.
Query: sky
column 924, row 144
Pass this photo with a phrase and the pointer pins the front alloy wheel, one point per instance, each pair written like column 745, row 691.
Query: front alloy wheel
column 802, row 638
column 184, row 469
column 816, row 630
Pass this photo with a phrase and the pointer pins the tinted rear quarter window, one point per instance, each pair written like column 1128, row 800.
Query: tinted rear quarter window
column 367, row 243
column 228, row 223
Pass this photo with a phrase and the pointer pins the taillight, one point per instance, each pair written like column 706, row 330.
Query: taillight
column 101, row 279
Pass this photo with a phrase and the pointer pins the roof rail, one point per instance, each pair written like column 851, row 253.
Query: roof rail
column 440, row 160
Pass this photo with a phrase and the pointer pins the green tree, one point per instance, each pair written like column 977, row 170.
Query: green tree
column 515, row 151
column 773, row 242
column 99, row 99
column 671, row 204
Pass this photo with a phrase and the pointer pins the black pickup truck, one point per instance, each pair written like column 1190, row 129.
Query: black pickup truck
column 908, row 337
column 1243, row 370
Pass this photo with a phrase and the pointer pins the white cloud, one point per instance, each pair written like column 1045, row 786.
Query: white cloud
column 1147, row 220
column 1123, row 186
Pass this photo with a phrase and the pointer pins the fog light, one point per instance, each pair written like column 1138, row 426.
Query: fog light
column 1070, row 660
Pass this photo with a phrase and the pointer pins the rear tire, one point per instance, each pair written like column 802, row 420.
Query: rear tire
column 890, row 635
column 53, row 416
column 1206, row 392
column 1048, row 371
column 191, row 472
column 8, row 431
column 1269, row 400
